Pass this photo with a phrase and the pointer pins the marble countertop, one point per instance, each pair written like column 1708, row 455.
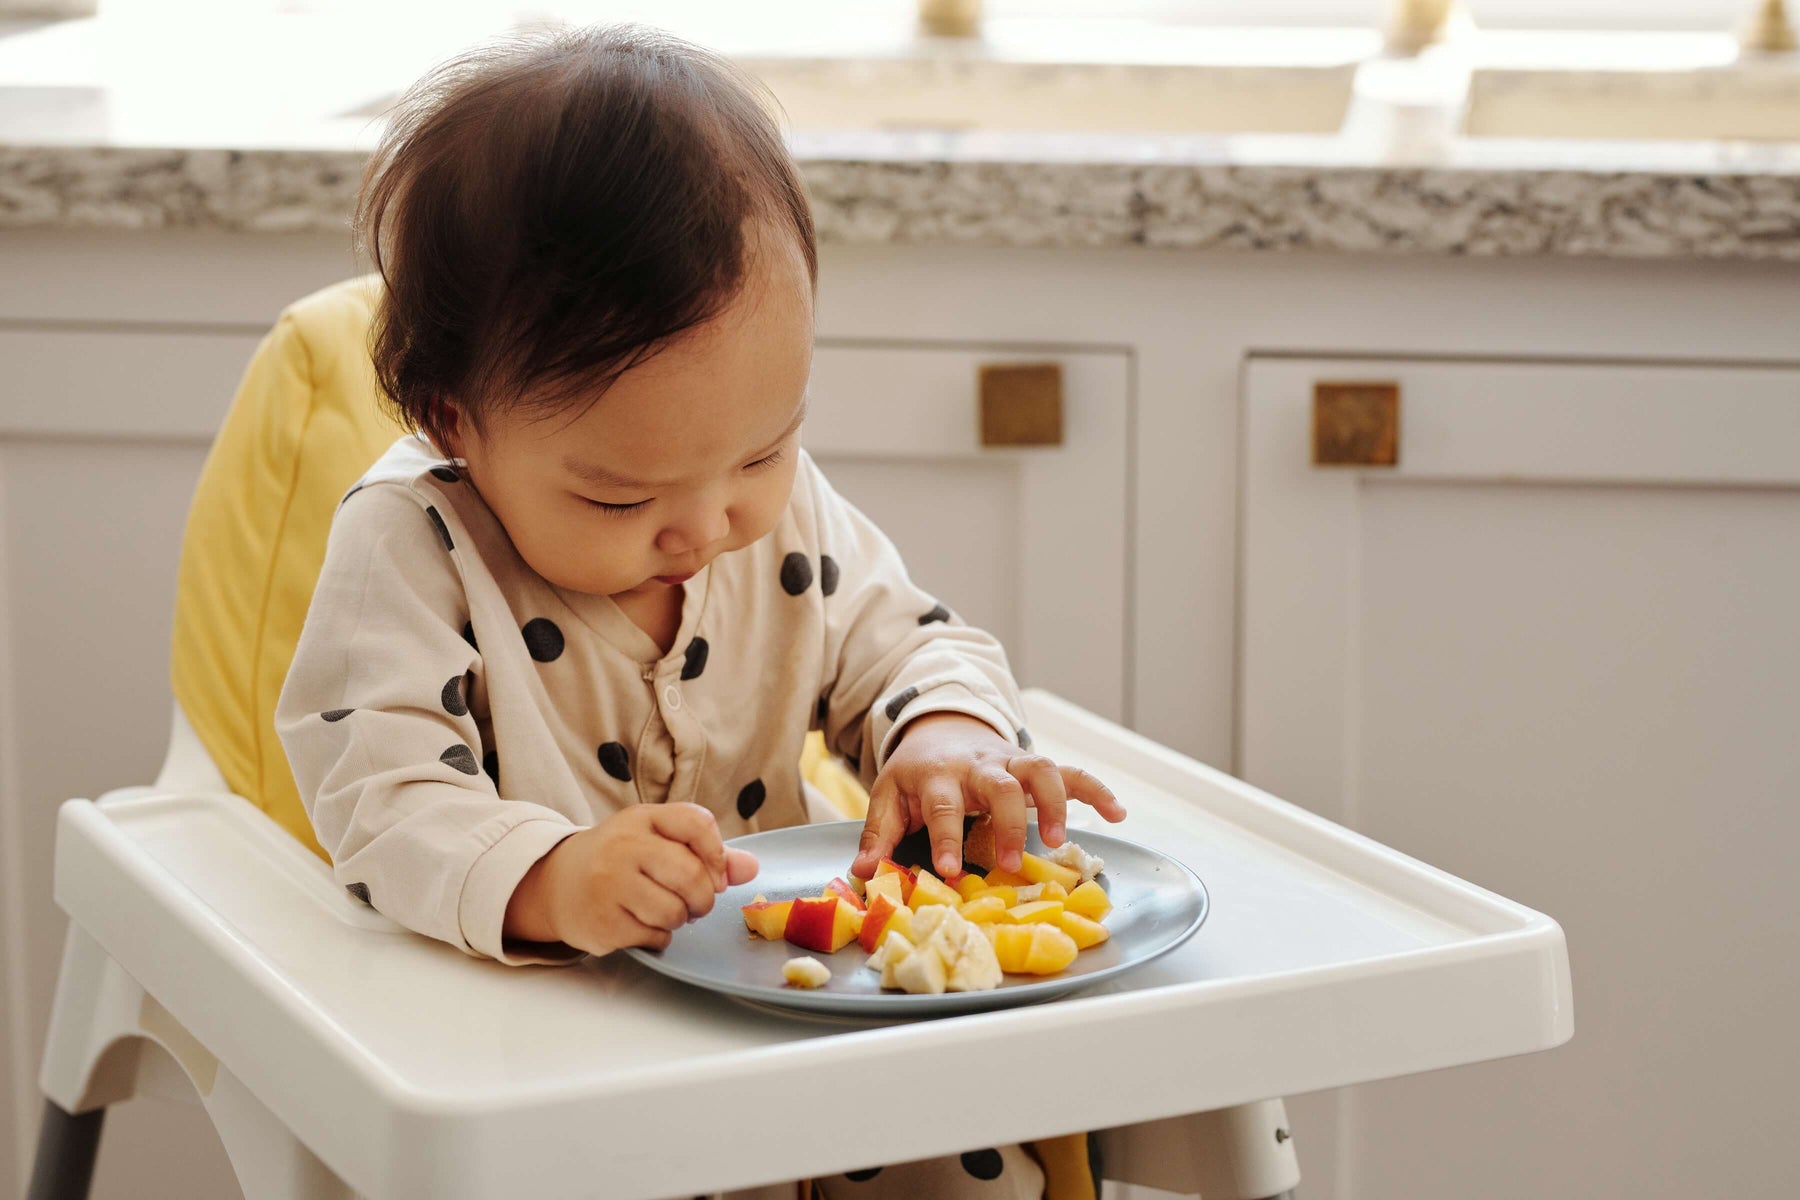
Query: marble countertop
column 108, row 125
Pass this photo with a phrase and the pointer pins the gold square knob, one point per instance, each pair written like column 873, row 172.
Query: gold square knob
column 1356, row 424
column 1021, row 404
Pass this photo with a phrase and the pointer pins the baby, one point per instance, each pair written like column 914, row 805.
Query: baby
column 571, row 633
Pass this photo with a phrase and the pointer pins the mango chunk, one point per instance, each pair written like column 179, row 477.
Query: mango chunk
column 1034, row 912
column 1051, row 950
column 1089, row 900
column 1005, row 892
column 1042, row 870
column 929, row 889
column 1085, row 932
column 1000, row 875
column 970, row 885
column 1012, row 945
column 983, row 910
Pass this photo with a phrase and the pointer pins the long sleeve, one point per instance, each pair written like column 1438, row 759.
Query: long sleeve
column 893, row 652
column 376, row 720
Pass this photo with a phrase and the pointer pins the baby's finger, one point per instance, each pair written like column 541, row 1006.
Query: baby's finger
column 1041, row 779
column 654, row 904
column 884, row 826
column 624, row 930
column 694, row 827
column 679, row 870
column 1005, row 801
column 740, row 866
column 941, row 804
column 1082, row 786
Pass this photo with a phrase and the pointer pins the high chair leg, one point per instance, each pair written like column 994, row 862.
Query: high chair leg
column 110, row 1040
column 1240, row 1153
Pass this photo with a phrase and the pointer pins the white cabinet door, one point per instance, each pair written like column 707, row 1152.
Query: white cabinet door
column 1555, row 651
column 1028, row 543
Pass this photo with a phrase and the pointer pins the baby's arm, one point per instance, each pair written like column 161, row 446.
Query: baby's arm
column 924, row 705
column 375, row 720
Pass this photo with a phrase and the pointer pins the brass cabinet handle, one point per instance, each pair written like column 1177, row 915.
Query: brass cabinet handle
column 1021, row 404
column 1356, row 424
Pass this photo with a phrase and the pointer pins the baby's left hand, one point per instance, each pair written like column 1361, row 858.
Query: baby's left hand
column 947, row 764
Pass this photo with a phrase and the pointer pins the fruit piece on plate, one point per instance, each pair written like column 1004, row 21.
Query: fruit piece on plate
column 1089, row 900
column 894, row 951
column 1012, row 946
column 822, row 923
column 1035, row 912
column 983, row 910
column 1085, row 932
column 922, row 971
column 1076, row 859
column 1042, row 870
column 888, row 885
column 805, row 972
column 1001, row 875
column 970, row 885
column 1006, row 893
column 1053, row 891
column 767, row 918
column 1051, row 950
column 837, row 887
column 875, row 921
column 901, row 922
column 929, row 889
column 888, row 866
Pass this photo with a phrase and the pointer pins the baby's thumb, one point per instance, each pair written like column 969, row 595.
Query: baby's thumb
column 740, row 866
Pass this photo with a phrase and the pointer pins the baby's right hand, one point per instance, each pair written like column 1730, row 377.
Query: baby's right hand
column 627, row 881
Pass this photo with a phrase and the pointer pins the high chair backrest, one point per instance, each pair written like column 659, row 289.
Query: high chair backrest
column 306, row 422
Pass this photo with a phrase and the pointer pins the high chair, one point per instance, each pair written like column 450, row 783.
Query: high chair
column 210, row 953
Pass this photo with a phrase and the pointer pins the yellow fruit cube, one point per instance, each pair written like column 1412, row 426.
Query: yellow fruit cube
column 969, row 885
column 1051, row 950
column 929, row 889
column 983, row 910
column 1006, row 893
column 1089, row 900
column 1042, row 870
column 1012, row 945
column 1085, row 932
column 1034, row 912
column 1000, row 875
column 889, row 885
column 1054, row 891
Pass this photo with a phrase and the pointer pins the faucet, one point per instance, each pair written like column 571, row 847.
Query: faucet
column 1767, row 29
column 950, row 18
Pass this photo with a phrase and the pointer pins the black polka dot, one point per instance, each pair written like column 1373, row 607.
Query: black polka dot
column 446, row 473
column 454, row 704
column 796, row 574
column 983, row 1164
column 1024, row 737
column 615, row 760
column 900, row 701
column 443, row 529
column 336, row 714
column 490, row 762
column 543, row 639
column 361, row 892
column 469, row 635
column 938, row 613
column 696, row 659
column 460, row 757
column 751, row 798
column 862, row 1176
column 828, row 574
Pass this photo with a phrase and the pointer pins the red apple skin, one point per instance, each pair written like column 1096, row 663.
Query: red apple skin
column 880, row 909
column 810, row 921
column 838, row 887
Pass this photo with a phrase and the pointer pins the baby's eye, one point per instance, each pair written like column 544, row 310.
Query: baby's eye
column 617, row 510
column 763, row 464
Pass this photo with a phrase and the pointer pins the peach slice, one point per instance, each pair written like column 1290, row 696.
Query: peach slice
column 881, row 909
column 1042, row 870
column 1089, row 900
column 1000, row 875
column 838, row 887
column 767, row 918
column 970, row 885
column 983, row 910
column 929, row 889
column 1054, row 891
column 1006, row 893
column 1012, row 945
column 888, row 866
column 1034, row 912
column 1051, row 950
column 1085, row 932
column 889, row 885
column 821, row 923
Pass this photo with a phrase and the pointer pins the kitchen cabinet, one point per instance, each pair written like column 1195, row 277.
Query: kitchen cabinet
column 1553, row 651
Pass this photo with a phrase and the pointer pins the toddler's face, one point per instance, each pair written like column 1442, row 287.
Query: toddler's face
column 687, row 456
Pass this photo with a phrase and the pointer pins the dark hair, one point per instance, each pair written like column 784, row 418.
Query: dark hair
column 549, row 208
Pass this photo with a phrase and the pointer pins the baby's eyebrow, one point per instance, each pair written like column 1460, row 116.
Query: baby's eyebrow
column 602, row 477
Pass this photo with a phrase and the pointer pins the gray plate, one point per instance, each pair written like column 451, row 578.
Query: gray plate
column 1157, row 904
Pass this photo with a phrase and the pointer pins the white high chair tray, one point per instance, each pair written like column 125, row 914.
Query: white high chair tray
column 412, row 1069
